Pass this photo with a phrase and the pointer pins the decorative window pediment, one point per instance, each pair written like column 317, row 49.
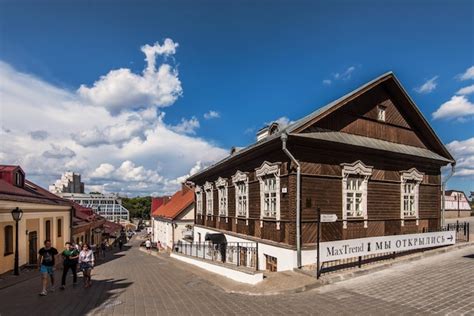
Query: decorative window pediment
column 268, row 175
column 240, row 176
column 267, row 168
column 221, row 182
column 409, row 194
column 355, row 177
column 207, row 186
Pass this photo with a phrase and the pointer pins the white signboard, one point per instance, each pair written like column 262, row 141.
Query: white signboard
column 341, row 249
column 328, row 218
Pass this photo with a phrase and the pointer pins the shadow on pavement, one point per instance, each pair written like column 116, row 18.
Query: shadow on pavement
column 470, row 256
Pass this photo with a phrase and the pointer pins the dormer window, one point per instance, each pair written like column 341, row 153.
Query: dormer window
column 381, row 113
column 19, row 179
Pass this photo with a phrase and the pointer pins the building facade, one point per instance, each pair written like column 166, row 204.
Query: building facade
column 70, row 182
column 108, row 206
column 369, row 157
column 173, row 219
column 456, row 204
column 45, row 216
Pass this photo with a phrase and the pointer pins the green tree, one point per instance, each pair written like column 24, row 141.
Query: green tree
column 139, row 207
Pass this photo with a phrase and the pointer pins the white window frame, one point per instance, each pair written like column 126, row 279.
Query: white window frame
column 241, row 178
column 208, row 188
column 262, row 173
column 223, row 198
column 415, row 177
column 356, row 169
column 198, row 192
column 381, row 113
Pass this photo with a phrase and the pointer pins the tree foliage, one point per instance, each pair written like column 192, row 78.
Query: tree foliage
column 139, row 207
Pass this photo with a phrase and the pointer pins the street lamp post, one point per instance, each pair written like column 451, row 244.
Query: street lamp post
column 17, row 213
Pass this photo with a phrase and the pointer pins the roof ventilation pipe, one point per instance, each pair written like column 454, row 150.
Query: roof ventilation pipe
column 284, row 139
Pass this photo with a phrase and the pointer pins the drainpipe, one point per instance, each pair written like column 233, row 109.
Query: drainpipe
column 443, row 198
column 284, row 138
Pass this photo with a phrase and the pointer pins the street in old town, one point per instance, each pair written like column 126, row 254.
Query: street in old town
column 132, row 282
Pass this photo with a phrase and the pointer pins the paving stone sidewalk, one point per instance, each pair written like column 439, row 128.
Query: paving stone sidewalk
column 135, row 283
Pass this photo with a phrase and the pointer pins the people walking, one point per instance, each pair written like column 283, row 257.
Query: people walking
column 70, row 258
column 86, row 263
column 148, row 246
column 120, row 243
column 46, row 262
column 103, row 248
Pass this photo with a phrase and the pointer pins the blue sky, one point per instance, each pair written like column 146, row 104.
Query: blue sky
column 250, row 62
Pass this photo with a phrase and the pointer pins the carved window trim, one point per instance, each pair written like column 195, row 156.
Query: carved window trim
column 208, row 188
column 355, row 169
column 222, row 198
column 415, row 177
column 241, row 178
column 198, row 191
column 268, row 169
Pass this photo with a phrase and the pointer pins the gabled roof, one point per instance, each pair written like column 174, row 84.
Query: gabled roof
column 322, row 112
column 179, row 202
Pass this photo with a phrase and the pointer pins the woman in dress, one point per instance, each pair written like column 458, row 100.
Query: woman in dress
column 86, row 263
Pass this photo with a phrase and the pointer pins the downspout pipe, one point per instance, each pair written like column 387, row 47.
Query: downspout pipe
column 284, row 139
column 443, row 187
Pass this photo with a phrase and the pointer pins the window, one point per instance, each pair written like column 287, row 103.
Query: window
column 60, row 227
column 268, row 175
column 270, row 196
column 221, row 185
column 8, row 232
column 409, row 186
column 355, row 179
column 198, row 200
column 241, row 185
column 381, row 113
column 19, row 179
column 241, row 199
column 47, row 228
column 354, row 197
column 209, row 198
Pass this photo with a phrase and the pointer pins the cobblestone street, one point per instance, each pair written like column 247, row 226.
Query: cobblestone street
column 134, row 283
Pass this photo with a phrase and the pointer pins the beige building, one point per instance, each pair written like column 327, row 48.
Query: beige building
column 45, row 216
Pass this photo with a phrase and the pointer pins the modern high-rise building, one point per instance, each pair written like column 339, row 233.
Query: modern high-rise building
column 108, row 206
column 70, row 182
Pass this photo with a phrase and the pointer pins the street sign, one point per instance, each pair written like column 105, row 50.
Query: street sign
column 349, row 248
column 328, row 218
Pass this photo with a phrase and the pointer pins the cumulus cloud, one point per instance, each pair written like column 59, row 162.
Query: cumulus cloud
column 211, row 115
column 122, row 90
column 142, row 152
column 463, row 151
column 427, row 87
column 186, row 126
column 38, row 135
column 282, row 122
column 458, row 107
column 57, row 152
column 468, row 74
column 466, row 90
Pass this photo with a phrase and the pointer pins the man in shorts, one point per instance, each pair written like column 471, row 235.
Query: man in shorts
column 46, row 262
column 148, row 246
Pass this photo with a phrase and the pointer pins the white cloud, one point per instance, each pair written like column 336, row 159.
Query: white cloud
column 57, row 152
column 122, row 90
column 283, row 121
column 327, row 82
column 39, row 135
column 458, row 107
column 345, row 75
column 211, row 115
column 468, row 74
column 141, row 151
column 463, row 151
column 186, row 126
column 428, row 86
column 466, row 90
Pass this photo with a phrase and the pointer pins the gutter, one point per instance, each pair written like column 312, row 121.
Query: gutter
column 443, row 187
column 284, row 139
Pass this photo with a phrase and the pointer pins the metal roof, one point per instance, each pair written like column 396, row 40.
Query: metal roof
column 367, row 142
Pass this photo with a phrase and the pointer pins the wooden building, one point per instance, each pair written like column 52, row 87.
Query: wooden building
column 369, row 157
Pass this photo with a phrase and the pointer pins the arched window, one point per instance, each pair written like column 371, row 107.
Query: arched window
column 8, row 230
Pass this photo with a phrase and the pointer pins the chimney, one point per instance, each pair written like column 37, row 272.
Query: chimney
column 267, row 131
column 186, row 186
column 156, row 202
